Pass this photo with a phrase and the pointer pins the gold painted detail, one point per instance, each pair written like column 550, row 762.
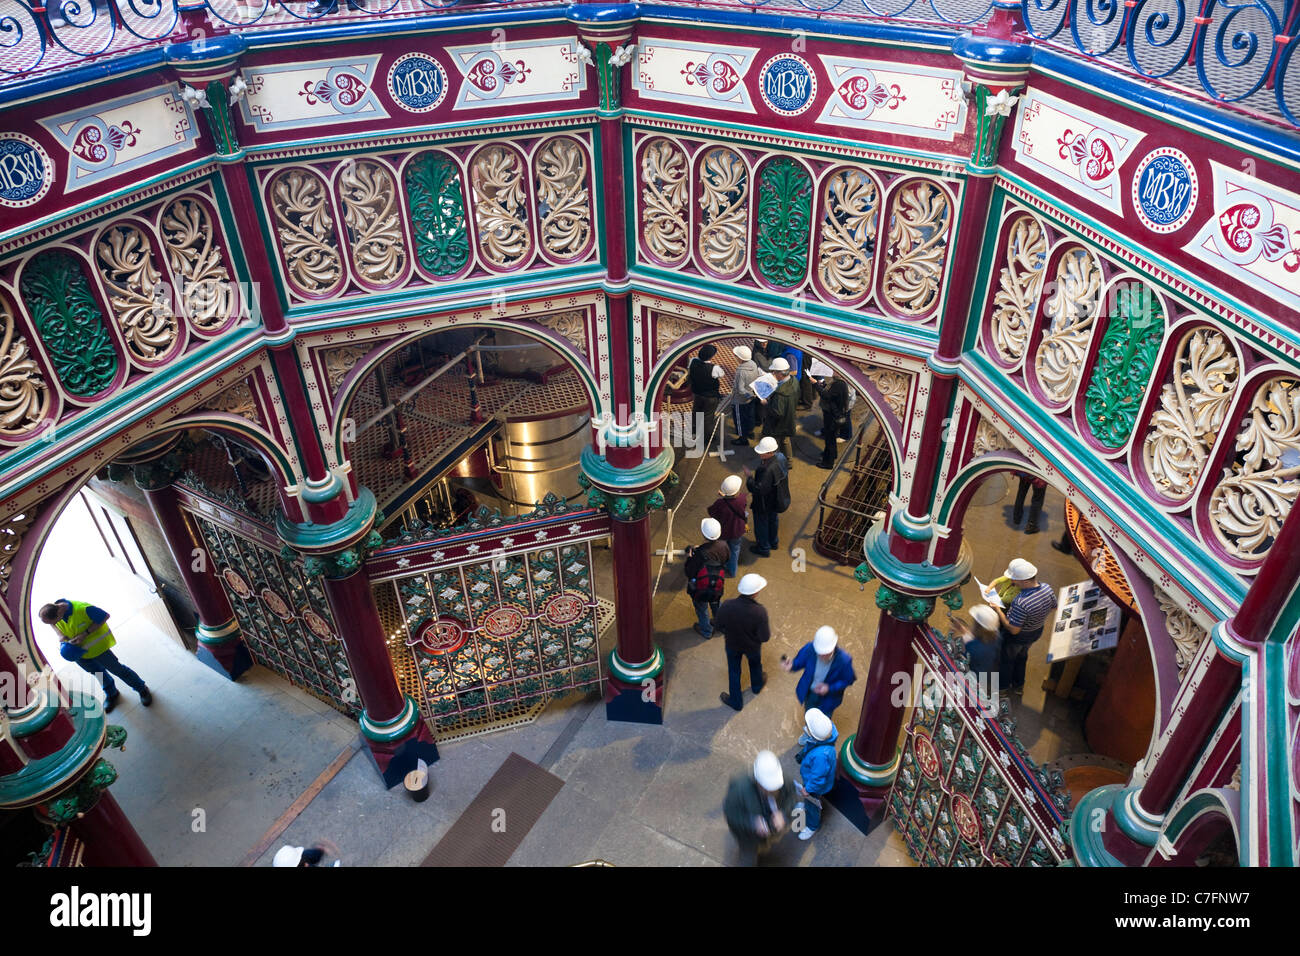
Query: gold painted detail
column 306, row 230
column 571, row 325
column 663, row 200
column 1070, row 312
column 236, row 400
column 198, row 263
column 1019, row 284
column 670, row 328
column 848, row 234
column 724, row 199
column 918, row 247
column 140, row 300
column 500, row 207
column 374, row 227
column 563, row 201
column 24, row 396
column 338, row 362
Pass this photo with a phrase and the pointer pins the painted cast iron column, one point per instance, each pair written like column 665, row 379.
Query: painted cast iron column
column 395, row 735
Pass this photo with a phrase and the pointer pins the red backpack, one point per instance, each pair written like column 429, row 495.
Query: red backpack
column 707, row 583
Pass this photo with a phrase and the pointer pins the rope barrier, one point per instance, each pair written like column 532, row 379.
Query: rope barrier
column 668, row 532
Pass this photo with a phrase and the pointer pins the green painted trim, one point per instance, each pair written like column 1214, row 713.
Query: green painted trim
column 869, row 775
column 1089, row 851
column 310, row 538
column 642, row 477
column 1132, row 821
column 1277, row 761
column 919, row 580
column 39, row 715
column 327, row 490
column 1192, row 809
column 218, row 635
column 636, row 673
column 387, row 731
column 905, row 530
column 41, row 779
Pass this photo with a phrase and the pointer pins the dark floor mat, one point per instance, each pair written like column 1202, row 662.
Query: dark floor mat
column 498, row 819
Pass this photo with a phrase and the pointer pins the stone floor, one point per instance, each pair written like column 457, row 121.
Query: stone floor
column 242, row 753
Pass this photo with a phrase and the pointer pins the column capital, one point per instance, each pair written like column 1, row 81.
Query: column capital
column 336, row 549
column 923, row 580
column 206, row 68
column 628, row 494
column 609, row 30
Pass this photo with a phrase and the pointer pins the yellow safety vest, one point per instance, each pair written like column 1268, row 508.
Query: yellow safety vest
column 97, row 641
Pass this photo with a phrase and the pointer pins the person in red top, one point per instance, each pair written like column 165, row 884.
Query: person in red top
column 729, row 511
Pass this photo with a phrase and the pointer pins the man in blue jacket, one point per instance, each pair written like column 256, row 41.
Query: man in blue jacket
column 827, row 671
column 817, row 762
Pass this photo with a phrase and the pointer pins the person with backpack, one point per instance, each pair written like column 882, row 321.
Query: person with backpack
column 706, row 570
column 827, row 671
column 769, row 487
column 730, row 511
column 743, row 622
column 817, row 763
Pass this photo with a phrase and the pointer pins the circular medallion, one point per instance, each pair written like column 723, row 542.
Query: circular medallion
column 237, row 584
column 504, row 622
column 277, row 605
column 563, row 609
column 927, row 758
column 26, row 171
column 417, row 82
column 787, row 84
column 442, row 635
column 317, row 625
column 1164, row 190
column 963, row 814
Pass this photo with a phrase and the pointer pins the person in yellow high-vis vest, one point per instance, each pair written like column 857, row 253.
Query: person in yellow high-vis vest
column 84, row 637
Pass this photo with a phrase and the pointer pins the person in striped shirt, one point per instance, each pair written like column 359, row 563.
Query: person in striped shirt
column 1022, row 622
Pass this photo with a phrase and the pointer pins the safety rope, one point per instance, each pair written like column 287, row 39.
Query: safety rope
column 668, row 531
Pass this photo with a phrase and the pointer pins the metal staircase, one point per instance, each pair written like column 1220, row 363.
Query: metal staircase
column 864, row 474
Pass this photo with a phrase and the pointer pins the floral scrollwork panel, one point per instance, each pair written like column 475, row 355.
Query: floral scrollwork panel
column 1071, row 312
column 437, row 207
column 784, row 222
column 893, row 387
column 663, row 201
column 1193, row 403
column 1260, row 485
column 198, row 263
column 374, row 228
column 501, row 207
column 848, row 234
column 987, row 439
column 918, row 247
column 139, row 299
column 12, row 529
column 306, row 229
column 68, row 319
column 724, row 205
column 1019, row 284
column 24, row 397
column 1125, row 363
column 563, row 200
column 1187, row 635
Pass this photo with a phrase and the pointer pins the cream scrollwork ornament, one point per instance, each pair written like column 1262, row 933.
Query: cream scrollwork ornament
column 1019, row 285
column 140, row 300
column 1256, row 494
column 918, row 247
column 1193, row 403
column 848, row 234
column 500, row 206
column 893, row 386
column 24, row 396
column 12, row 529
column 563, row 200
column 306, row 230
column 1071, row 312
column 724, row 201
column 663, row 200
column 197, row 261
column 571, row 325
column 374, row 227
column 987, row 439
column 1187, row 635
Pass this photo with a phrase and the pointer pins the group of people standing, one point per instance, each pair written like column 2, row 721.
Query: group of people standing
column 999, row 635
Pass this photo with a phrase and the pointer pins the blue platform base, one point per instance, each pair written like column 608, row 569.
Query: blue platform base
column 240, row 662
column 404, row 760
column 845, row 798
column 628, row 705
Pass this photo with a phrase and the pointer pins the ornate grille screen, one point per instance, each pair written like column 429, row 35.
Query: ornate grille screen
column 967, row 794
column 494, row 623
column 283, row 614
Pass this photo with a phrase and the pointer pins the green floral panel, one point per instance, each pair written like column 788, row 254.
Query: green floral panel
column 437, row 203
column 57, row 294
column 1125, row 363
column 784, row 222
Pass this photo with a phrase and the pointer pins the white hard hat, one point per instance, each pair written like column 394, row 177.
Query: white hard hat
column 1021, row 570
column 766, row 446
column 825, row 639
column 730, row 485
column 742, row 353
column 288, row 856
column 818, row 724
column 767, row 771
column 985, row 617
column 779, row 365
column 710, row 528
column 751, row 584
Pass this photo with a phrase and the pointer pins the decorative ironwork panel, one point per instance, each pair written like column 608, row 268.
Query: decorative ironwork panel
column 138, row 296
column 308, row 242
column 664, row 194
column 283, row 614
column 374, row 227
column 966, row 793
column 24, row 397
column 1125, row 363
column 71, row 326
column 198, row 262
column 437, row 208
column 847, row 248
column 1016, row 301
column 499, row 179
column 724, row 205
column 918, row 247
column 563, row 199
column 784, row 222
column 1071, row 312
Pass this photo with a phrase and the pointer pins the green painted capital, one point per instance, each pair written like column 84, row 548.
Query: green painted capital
column 220, row 121
column 1086, row 839
column 636, row 673
column 916, row 580
column 866, row 774
column 337, row 548
column 35, row 717
column 48, row 775
column 991, row 112
column 597, row 471
column 389, row 730
column 904, row 607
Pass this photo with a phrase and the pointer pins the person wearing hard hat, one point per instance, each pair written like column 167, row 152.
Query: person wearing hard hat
column 743, row 622
column 983, row 640
column 301, row 856
column 706, row 572
column 704, row 377
column 817, row 763
column 1022, row 622
column 780, row 407
column 827, row 671
column 758, row 806
column 770, row 487
column 742, row 401
column 84, row 638
column 730, row 510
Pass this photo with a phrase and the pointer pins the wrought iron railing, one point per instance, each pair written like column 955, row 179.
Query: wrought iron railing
column 845, row 517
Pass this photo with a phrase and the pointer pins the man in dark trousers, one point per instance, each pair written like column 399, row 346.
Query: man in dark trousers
column 769, row 489
column 834, row 395
column 827, row 671
column 1022, row 622
column 706, row 394
column 758, row 806
column 779, row 409
column 730, row 510
column 706, row 566
column 85, row 638
column 743, row 621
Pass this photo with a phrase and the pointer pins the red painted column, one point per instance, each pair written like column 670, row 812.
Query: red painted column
column 109, row 837
column 635, row 621
column 881, row 720
column 352, row 605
